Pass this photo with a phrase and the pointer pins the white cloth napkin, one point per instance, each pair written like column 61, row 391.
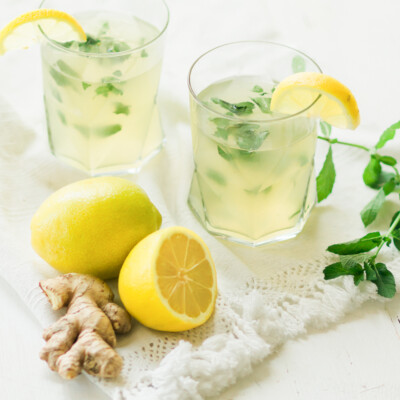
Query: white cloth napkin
column 267, row 295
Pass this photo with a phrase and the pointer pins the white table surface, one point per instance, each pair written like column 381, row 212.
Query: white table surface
column 358, row 42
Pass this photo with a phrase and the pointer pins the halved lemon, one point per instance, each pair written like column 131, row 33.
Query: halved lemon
column 335, row 105
column 168, row 281
column 24, row 30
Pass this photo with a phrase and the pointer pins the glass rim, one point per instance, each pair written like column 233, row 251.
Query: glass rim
column 238, row 118
column 109, row 55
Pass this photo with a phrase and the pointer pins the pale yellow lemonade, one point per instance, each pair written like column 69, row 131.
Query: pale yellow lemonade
column 254, row 170
column 101, row 111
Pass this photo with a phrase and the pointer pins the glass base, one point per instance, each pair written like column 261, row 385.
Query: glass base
column 153, row 144
column 196, row 204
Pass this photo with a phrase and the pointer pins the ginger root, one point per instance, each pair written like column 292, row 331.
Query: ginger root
column 84, row 337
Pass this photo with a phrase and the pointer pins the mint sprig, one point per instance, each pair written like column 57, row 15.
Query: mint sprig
column 356, row 257
column 361, row 263
column 243, row 108
column 374, row 175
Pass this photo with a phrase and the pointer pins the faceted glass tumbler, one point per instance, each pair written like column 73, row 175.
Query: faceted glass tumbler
column 253, row 180
column 101, row 107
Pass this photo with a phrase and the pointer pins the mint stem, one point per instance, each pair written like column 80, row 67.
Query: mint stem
column 333, row 141
column 391, row 229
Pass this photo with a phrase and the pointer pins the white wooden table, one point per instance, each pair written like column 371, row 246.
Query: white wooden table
column 358, row 42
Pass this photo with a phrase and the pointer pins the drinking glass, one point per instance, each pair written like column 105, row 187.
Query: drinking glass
column 253, row 179
column 101, row 96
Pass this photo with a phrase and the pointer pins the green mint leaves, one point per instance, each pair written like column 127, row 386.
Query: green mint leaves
column 373, row 176
column 326, row 177
column 298, row 64
column 257, row 89
column 370, row 211
column 248, row 137
column 108, row 130
column 122, row 109
column 326, row 129
column 105, row 90
column 263, row 104
column 366, row 243
column 358, row 257
column 243, row 108
column 387, row 135
column 101, row 44
column 356, row 260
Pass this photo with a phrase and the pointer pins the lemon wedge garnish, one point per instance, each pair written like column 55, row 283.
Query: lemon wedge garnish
column 336, row 104
column 24, row 30
column 168, row 281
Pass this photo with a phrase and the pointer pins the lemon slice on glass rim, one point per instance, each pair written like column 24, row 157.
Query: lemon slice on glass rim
column 25, row 30
column 333, row 102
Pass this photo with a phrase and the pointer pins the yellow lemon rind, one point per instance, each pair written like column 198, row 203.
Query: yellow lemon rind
column 37, row 15
column 149, row 306
column 323, row 85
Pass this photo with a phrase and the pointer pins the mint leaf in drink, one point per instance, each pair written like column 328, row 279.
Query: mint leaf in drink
column 224, row 154
column 83, row 130
column 62, row 117
column 108, row 130
column 216, row 177
column 144, row 53
column 257, row 89
column 263, row 104
column 220, row 122
column 105, row 90
column 387, row 135
column 122, row 109
column 86, row 85
column 59, row 78
column 362, row 245
column 56, row 94
column 104, row 28
column 222, row 125
column 371, row 210
column 120, row 46
column 243, row 108
column 92, row 45
column 221, row 133
column 245, row 155
column 298, row 64
column 247, row 136
column 326, row 177
column 117, row 73
column 67, row 45
column 384, row 280
column 64, row 67
column 372, row 173
column 326, row 128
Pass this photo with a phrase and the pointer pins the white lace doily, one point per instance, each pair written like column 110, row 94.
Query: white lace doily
column 267, row 296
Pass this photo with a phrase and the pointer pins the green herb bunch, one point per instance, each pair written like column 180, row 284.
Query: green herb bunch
column 358, row 258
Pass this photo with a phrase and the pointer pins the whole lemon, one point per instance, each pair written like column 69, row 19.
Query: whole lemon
column 90, row 226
